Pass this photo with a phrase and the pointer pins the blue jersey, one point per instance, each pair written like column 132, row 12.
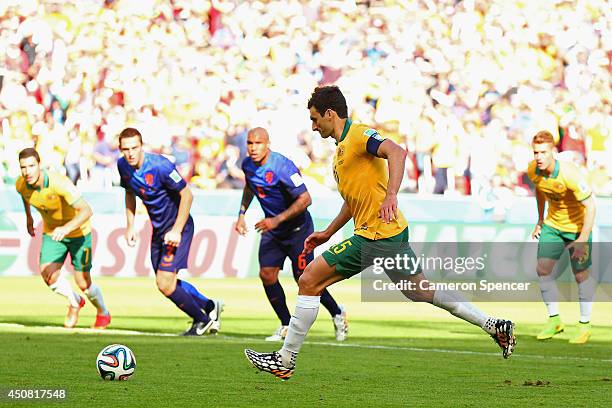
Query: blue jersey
column 277, row 184
column 158, row 184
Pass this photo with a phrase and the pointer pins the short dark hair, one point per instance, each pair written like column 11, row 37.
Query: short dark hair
column 129, row 132
column 328, row 97
column 29, row 152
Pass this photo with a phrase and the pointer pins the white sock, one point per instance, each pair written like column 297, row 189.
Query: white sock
column 548, row 287
column 306, row 310
column 94, row 294
column 457, row 305
column 586, row 293
column 62, row 287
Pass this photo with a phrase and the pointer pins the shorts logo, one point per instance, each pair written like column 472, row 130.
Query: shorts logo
column 168, row 257
column 149, row 179
column 269, row 177
column 585, row 257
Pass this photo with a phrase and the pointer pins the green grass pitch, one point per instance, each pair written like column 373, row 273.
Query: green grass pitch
column 397, row 354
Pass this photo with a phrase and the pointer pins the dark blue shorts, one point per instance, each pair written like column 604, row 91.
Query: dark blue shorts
column 274, row 250
column 168, row 258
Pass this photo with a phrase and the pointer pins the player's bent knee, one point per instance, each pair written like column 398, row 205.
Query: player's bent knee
column 309, row 285
column 543, row 269
column 50, row 274
column 166, row 287
column 83, row 280
column 581, row 276
column 166, row 290
column 268, row 276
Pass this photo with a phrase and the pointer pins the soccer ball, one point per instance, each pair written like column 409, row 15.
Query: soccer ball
column 116, row 362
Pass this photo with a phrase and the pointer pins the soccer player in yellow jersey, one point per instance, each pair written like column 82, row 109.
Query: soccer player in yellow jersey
column 368, row 169
column 569, row 221
column 66, row 229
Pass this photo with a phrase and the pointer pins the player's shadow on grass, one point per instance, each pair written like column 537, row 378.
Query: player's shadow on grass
column 145, row 324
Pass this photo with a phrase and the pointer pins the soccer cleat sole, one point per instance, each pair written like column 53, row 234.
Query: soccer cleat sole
column 281, row 373
column 505, row 338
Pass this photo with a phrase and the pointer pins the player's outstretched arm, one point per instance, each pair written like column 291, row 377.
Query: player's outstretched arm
column 130, row 211
column 589, row 218
column 296, row 208
column 247, row 198
column 578, row 245
column 320, row 237
column 29, row 219
column 541, row 202
column 83, row 213
column 396, row 157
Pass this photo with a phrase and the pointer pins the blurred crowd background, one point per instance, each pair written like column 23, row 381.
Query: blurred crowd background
column 464, row 85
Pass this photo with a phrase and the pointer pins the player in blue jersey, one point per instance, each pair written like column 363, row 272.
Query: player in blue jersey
column 167, row 198
column 278, row 186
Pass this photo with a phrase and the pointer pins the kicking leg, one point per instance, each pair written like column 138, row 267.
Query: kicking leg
column 501, row 330
column 317, row 276
column 299, row 261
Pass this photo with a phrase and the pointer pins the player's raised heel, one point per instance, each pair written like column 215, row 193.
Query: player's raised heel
column 215, row 317
column 198, row 328
column 270, row 363
column 552, row 328
column 341, row 324
column 73, row 315
column 504, row 337
column 102, row 321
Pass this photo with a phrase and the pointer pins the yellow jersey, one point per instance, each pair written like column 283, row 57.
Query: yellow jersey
column 54, row 202
column 564, row 190
column 362, row 181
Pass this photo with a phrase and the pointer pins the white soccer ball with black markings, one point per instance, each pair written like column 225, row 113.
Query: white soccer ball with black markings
column 116, row 362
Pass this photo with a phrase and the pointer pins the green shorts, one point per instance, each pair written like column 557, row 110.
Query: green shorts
column 357, row 253
column 552, row 243
column 56, row 251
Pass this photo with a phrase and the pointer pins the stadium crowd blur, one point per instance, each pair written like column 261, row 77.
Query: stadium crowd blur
column 464, row 85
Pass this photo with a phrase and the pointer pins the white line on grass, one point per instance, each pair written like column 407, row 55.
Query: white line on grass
column 235, row 339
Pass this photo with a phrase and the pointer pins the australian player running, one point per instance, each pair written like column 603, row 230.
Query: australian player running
column 368, row 169
column 282, row 194
column 167, row 198
column 568, row 224
column 66, row 229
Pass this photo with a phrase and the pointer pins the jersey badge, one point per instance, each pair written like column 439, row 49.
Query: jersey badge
column 149, row 179
column 269, row 177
